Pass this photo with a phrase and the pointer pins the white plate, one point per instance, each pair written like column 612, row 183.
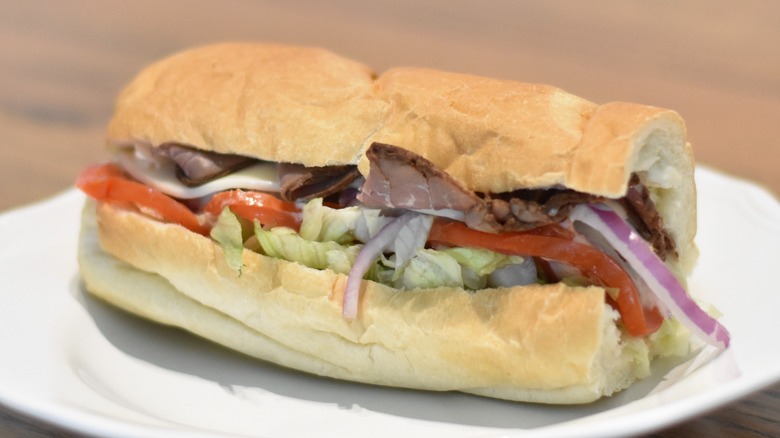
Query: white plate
column 75, row 361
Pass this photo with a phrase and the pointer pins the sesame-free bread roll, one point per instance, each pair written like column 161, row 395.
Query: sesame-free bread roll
column 540, row 343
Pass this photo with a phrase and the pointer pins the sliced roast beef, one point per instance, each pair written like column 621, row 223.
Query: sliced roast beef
column 300, row 182
column 402, row 179
column 195, row 167
column 646, row 218
column 525, row 209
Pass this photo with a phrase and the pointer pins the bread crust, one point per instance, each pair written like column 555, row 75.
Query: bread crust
column 497, row 136
column 309, row 106
column 273, row 102
column 549, row 344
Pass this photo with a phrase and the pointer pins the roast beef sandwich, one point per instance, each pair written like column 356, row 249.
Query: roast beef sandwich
column 416, row 229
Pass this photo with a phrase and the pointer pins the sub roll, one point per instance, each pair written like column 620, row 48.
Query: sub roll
column 415, row 228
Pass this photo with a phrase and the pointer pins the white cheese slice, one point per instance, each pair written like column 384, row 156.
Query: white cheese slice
column 161, row 175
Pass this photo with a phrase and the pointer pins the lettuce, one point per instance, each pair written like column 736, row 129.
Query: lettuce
column 285, row 243
column 429, row 269
column 227, row 232
column 450, row 267
column 325, row 224
column 671, row 339
column 342, row 225
column 477, row 264
column 332, row 238
column 481, row 261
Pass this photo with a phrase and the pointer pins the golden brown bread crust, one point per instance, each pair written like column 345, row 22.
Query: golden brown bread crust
column 550, row 344
column 491, row 135
column 274, row 102
column 310, row 106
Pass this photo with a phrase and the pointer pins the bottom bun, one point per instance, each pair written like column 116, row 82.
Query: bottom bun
column 546, row 344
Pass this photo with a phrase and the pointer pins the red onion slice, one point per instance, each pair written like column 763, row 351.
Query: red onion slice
column 370, row 252
column 659, row 279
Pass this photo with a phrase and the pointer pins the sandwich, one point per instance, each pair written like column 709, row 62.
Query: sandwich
column 415, row 228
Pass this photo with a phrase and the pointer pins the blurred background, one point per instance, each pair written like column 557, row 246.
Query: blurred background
column 717, row 63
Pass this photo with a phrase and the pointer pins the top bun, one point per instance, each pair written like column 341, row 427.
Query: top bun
column 309, row 106
column 273, row 102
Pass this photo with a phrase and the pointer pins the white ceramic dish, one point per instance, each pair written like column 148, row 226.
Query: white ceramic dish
column 79, row 363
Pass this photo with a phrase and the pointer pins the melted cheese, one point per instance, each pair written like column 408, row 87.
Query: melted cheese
column 161, row 175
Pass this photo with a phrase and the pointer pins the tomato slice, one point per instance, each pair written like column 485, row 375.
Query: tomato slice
column 267, row 209
column 554, row 245
column 106, row 182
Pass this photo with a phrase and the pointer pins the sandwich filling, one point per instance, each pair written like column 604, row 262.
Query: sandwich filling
column 409, row 225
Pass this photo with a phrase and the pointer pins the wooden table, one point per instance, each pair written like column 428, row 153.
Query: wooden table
column 61, row 64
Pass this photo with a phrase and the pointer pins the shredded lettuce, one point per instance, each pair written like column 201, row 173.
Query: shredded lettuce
column 325, row 224
column 671, row 339
column 477, row 264
column 472, row 280
column 227, row 232
column 341, row 261
column 285, row 243
column 343, row 225
column 331, row 238
column 429, row 269
column 481, row 261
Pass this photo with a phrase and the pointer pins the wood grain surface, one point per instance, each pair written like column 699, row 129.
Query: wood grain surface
column 717, row 63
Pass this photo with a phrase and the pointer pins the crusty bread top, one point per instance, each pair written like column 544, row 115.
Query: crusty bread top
column 497, row 136
column 306, row 105
column 309, row 106
column 492, row 135
column 274, row 102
